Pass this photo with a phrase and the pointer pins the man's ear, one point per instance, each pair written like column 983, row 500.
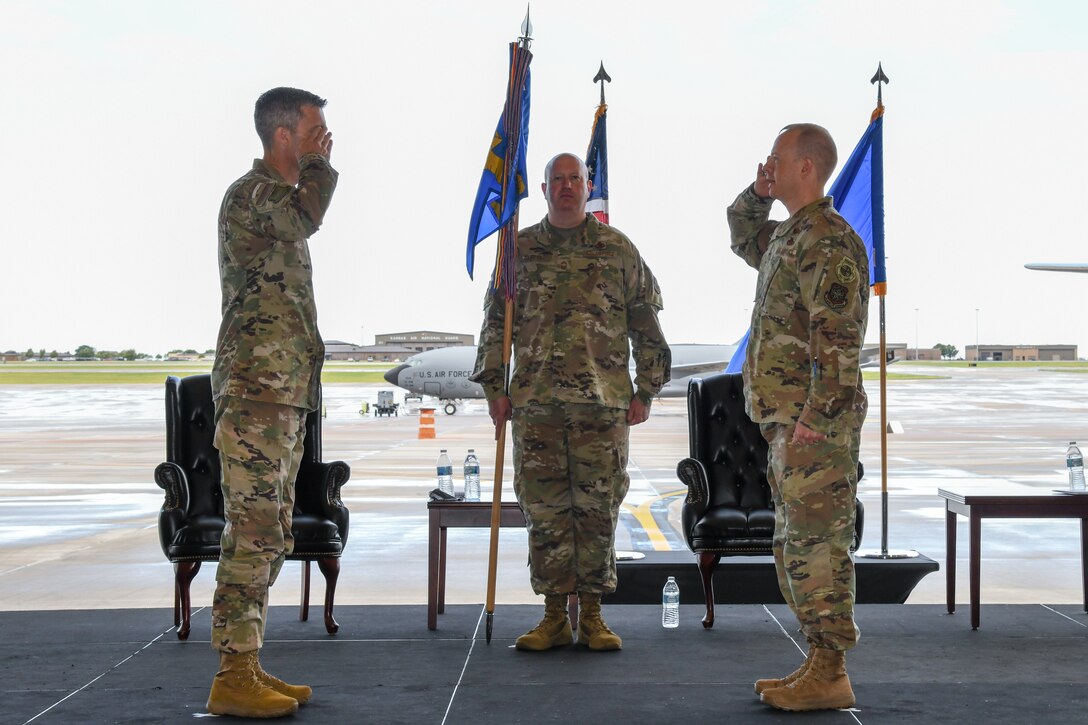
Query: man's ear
column 544, row 188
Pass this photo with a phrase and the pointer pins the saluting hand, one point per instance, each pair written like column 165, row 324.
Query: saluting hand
column 762, row 186
column 319, row 141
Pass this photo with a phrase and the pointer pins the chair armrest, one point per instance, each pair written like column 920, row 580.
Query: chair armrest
column 171, row 478
column 332, row 476
column 326, row 479
column 335, row 475
column 693, row 474
column 859, row 523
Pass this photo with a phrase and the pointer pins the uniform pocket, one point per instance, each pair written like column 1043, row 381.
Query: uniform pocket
column 776, row 297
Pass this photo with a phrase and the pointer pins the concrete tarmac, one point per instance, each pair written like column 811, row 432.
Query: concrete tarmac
column 78, row 503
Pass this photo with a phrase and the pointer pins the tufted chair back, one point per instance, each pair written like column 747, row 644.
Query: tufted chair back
column 728, row 510
column 190, row 525
column 730, row 445
column 191, row 519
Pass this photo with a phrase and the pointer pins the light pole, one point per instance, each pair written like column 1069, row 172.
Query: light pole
column 916, row 334
column 977, row 355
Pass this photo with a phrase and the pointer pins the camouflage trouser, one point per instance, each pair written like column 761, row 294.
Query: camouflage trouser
column 260, row 449
column 814, row 487
column 570, row 477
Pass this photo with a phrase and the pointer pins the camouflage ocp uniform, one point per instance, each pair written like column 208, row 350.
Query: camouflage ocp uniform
column 583, row 295
column 803, row 365
column 265, row 379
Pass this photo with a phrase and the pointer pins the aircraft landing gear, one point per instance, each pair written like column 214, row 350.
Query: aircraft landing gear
column 450, row 408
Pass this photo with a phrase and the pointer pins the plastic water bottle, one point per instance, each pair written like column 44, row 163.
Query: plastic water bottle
column 1074, row 461
column 472, row 476
column 445, row 472
column 670, row 604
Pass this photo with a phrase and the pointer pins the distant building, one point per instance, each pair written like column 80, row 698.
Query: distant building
column 423, row 340
column 12, row 356
column 340, row 350
column 900, row 351
column 1031, row 353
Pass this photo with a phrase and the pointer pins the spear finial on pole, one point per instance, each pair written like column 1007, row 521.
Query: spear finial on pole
column 878, row 79
column 603, row 77
column 526, row 30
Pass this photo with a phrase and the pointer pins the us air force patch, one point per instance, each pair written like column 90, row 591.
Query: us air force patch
column 846, row 271
column 835, row 297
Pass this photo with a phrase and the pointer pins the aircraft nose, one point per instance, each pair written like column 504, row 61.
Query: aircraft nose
column 393, row 374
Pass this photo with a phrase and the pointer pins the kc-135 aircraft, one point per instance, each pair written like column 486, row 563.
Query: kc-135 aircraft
column 443, row 373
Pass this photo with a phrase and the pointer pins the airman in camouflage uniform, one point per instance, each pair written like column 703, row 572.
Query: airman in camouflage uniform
column 583, row 292
column 803, row 385
column 265, row 380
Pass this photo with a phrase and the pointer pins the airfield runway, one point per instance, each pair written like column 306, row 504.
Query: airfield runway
column 78, row 504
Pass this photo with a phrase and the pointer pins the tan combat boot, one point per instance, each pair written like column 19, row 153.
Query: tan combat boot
column 824, row 685
column 236, row 690
column 762, row 685
column 554, row 630
column 592, row 630
column 301, row 693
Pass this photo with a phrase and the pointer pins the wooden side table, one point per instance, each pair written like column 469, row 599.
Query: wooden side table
column 1006, row 502
column 456, row 514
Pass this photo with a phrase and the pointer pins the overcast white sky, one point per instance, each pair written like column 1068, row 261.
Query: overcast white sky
column 126, row 121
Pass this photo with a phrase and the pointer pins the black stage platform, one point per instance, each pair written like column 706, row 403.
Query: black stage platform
column 752, row 580
column 914, row 664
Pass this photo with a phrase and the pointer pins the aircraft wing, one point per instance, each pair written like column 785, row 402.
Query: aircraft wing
column 875, row 363
column 1058, row 267
column 709, row 366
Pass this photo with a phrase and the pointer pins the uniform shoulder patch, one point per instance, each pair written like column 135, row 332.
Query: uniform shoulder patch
column 846, row 270
column 269, row 193
column 836, row 296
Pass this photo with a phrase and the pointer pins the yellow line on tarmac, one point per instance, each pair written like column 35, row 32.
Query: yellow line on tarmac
column 645, row 517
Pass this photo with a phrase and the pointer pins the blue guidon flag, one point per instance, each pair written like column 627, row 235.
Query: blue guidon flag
column 858, row 194
column 597, row 162
column 503, row 184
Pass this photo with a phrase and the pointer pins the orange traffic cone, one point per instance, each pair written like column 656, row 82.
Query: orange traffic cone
column 426, row 423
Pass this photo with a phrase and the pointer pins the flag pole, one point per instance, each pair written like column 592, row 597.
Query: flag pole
column 508, row 239
column 500, row 453
column 597, row 155
column 881, row 289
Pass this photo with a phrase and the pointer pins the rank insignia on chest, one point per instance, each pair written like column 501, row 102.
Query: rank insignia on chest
column 835, row 297
column 846, row 271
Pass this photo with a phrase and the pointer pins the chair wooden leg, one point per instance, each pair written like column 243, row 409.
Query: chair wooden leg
column 330, row 568
column 304, row 604
column 708, row 561
column 184, row 572
column 177, row 598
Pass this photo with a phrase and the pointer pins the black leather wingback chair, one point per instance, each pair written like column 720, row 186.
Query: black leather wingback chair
column 191, row 519
column 728, row 510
